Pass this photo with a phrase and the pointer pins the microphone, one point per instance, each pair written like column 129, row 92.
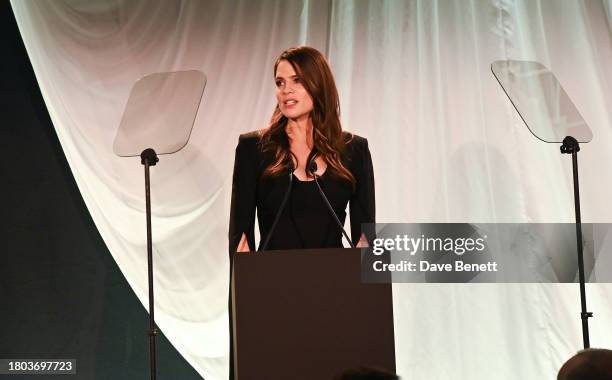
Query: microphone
column 312, row 169
column 262, row 247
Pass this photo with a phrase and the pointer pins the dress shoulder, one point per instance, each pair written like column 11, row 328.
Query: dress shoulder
column 248, row 146
column 356, row 145
column 352, row 139
column 249, row 139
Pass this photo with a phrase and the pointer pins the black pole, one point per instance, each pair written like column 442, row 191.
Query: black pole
column 571, row 146
column 148, row 158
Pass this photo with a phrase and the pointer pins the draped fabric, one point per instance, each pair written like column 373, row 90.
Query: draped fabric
column 414, row 78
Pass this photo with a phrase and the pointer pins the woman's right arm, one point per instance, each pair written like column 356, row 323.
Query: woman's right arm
column 243, row 246
column 244, row 189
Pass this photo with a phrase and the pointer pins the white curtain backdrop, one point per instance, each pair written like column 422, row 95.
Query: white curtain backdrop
column 414, row 78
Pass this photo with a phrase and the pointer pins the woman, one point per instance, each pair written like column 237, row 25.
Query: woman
column 305, row 128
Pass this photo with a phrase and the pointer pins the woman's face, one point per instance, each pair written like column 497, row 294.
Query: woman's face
column 293, row 99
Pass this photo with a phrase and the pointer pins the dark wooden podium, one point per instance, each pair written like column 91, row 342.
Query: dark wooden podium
column 305, row 314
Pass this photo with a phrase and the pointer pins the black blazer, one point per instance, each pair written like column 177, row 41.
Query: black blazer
column 248, row 189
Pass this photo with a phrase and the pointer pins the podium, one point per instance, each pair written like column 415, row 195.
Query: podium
column 305, row 314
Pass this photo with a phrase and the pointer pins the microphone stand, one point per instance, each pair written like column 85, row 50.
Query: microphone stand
column 312, row 168
column 571, row 146
column 262, row 247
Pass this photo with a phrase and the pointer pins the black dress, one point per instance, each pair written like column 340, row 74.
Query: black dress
column 305, row 222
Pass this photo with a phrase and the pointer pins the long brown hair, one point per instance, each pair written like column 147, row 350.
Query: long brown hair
column 328, row 139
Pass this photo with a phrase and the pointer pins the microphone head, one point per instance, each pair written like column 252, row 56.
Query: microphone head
column 290, row 166
column 312, row 167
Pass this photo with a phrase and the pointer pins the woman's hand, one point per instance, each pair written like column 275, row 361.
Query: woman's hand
column 243, row 246
column 363, row 242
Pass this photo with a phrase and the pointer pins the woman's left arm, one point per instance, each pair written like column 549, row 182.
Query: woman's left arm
column 362, row 204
